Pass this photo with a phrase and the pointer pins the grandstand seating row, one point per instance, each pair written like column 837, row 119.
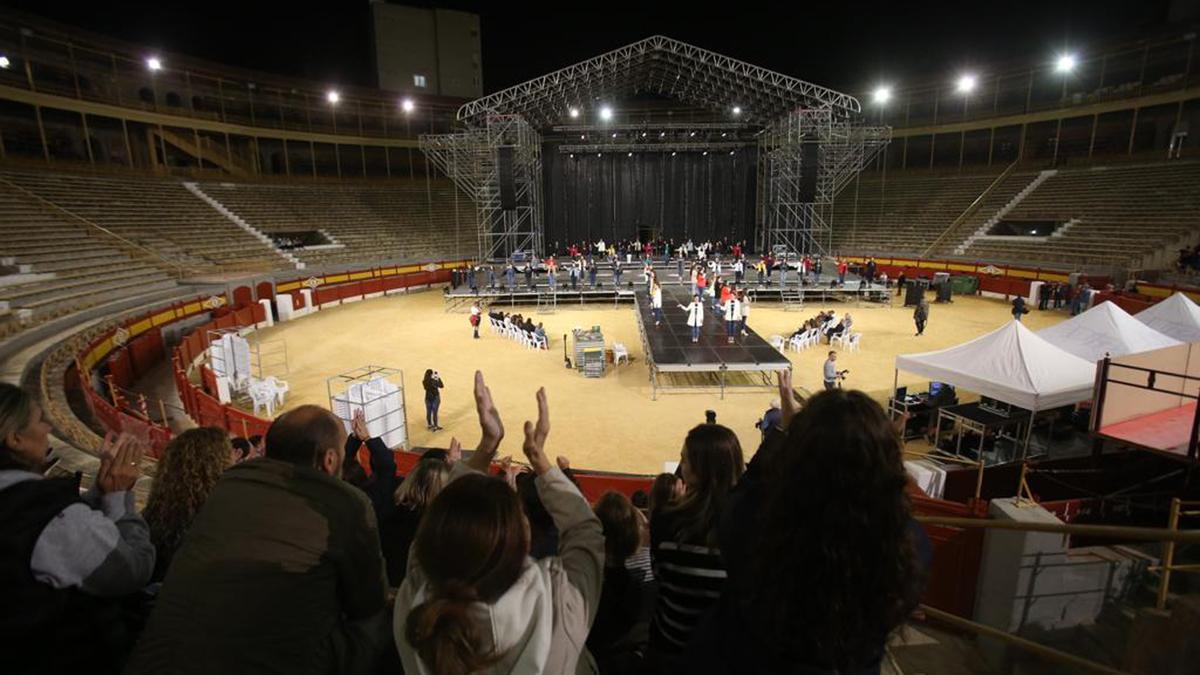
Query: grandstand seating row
column 1118, row 214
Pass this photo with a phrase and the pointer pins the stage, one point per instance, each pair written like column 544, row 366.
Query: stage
column 678, row 364
column 792, row 295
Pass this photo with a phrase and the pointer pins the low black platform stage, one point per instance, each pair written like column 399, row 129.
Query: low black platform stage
column 678, row 363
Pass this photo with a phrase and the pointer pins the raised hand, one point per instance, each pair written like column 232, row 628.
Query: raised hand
column 359, row 425
column 119, row 468
column 490, row 427
column 535, row 436
column 789, row 404
column 455, row 452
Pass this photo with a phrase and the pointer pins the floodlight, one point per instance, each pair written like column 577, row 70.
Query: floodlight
column 407, row 105
column 573, row 112
column 882, row 95
column 4, row 62
column 737, row 110
column 1065, row 63
column 333, row 96
column 606, row 113
column 966, row 83
column 154, row 64
column 629, row 155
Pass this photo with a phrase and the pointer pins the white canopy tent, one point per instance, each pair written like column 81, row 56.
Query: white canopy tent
column 1105, row 329
column 1176, row 317
column 1011, row 364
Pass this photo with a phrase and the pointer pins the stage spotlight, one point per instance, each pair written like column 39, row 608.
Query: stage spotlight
column 737, row 110
column 4, row 62
column 598, row 154
column 965, row 84
column 731, row 152
column 672, row 154
column 572, row 155
column 1065, row 63
column 629, row 155
column 662, row 134
column 606, row 113
column 722, row 134
column 693, row 134
column 614, row 135
column 573, row 112
column 154, row 64
column 583, row 137
column 333, row 96
column 882, row 95
column 407, row 105
column 705, row 153
column 643, row 134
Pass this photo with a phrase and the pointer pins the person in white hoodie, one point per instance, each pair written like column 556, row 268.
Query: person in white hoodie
column 695, row 317
column 473, row 600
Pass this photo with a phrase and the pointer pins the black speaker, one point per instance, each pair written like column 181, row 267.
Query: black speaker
column 504, row 169
column 913, row 294
column 944, row 292
column 809, row 168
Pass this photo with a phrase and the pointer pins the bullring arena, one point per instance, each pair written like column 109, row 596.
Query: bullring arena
column 1003, row 259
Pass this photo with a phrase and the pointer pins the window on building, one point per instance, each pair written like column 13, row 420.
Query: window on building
column 419, row 81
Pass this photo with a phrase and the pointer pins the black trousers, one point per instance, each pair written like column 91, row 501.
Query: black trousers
column 920, row 326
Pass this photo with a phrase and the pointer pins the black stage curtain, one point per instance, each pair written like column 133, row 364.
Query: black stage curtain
column 615, row 196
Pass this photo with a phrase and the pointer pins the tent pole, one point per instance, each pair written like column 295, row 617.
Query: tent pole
column 1028, row 435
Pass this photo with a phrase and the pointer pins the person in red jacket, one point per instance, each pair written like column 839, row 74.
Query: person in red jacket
column 841, row 270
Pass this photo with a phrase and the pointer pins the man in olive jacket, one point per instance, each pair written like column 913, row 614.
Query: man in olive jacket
column 280, row 571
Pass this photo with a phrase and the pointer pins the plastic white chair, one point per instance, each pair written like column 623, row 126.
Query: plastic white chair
column 776, row 342
column 811, row 337
column 279, row 387
column 853, row 343
column 542, row 342
column 262, row 396
column 798, row 342
column 620, row 352
column 839, row 339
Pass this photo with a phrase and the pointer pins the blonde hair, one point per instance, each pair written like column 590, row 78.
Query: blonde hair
column 187, row 472
column 420, row 486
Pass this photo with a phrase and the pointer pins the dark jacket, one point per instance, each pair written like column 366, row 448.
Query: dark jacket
column 397, row 533
column 382, row 484
column 431, row 387
column 280, row 573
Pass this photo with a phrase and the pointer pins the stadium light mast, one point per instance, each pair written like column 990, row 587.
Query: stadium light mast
column 606, row 113
column 1064, row 66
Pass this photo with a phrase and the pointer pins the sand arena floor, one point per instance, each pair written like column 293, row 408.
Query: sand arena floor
column 609, row 423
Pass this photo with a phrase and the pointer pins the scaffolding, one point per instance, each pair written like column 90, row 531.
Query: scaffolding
column 805, row 159
column 471, row 159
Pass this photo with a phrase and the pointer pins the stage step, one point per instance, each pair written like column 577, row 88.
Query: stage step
column 547, row 303
column 792, row 299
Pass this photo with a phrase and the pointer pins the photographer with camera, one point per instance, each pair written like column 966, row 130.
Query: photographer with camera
column 832, row 376
column 432, row 382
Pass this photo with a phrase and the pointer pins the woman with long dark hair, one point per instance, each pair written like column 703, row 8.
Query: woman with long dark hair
column 683, row 539
column 187, row 471
column 824, row 558
column 432, row 382
column 473, row 600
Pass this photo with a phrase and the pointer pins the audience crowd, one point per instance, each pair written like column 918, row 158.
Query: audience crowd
column 304, row 552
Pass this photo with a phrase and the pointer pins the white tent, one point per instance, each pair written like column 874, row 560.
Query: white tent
column 1010, row 364
column 1177, row 317
column 1105, row 329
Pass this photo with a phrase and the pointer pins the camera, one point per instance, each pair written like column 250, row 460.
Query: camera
column 843, row 373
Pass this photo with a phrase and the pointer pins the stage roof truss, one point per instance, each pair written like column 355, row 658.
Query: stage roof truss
column 665, row 66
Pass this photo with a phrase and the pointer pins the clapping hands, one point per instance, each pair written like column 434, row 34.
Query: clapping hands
column 119, row 469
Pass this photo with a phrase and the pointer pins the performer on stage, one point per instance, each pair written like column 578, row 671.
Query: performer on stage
column 744, row 301
column 475, row 319
column 695, row 317
column 510, row 276
column 656, row 301
column 733, row 317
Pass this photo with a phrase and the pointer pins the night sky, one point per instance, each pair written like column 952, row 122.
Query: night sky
column 838, row 44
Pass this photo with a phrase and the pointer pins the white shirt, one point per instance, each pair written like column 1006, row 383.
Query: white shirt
column 733, row 311
column 695, row 312
column 745, row 304
column 656, row 297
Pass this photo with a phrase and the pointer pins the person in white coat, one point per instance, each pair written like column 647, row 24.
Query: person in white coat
column 733, row 317
column 744, row 303
column 473, row 600
column 656, row 301
column 695, row 316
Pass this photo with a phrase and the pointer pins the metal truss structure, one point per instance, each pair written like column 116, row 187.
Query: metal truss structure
column 663, row 66
column 810, row 141
column 472, row 160
column 795, row 207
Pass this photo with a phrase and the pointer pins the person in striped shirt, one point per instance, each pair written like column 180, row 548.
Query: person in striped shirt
column 683, row 540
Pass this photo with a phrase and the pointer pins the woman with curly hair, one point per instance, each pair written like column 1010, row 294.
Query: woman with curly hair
column 187, row 471
column 823, row 555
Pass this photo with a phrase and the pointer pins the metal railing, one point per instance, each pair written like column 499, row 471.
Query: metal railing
column 971, row 209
